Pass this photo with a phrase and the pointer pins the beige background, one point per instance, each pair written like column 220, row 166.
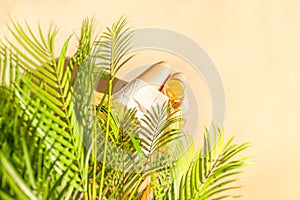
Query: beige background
column 255, row 45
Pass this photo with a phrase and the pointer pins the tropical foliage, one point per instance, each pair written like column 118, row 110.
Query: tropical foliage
column 55, row 143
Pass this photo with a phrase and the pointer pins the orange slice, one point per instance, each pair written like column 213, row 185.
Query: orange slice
column 175, row 89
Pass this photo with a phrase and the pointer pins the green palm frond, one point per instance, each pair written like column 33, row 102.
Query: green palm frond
column 41, row 86
column 128, row 162
column 162, row 181
column 123, row 127
column 114, row 46
column 28, row 173
column 158, row 131
column 211, row 174
column 153, row 162
column 109, row 56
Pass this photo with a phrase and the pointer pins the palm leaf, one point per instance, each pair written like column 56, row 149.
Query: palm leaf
column 114, row 46
column 158, row 130
column 26, row 174
column 213, row 172
column 108, row 57
column 44, row 96
column 154, row 161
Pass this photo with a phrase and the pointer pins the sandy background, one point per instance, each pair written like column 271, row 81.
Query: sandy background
column 255, row 46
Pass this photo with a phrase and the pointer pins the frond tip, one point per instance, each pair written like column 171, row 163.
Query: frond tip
column 113, row 47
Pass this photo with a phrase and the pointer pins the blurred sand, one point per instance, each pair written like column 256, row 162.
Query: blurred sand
column 254, row 44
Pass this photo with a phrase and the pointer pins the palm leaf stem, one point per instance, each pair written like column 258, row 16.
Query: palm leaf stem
column 109, row 96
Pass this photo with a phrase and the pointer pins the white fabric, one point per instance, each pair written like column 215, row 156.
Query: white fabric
column 140, row 95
